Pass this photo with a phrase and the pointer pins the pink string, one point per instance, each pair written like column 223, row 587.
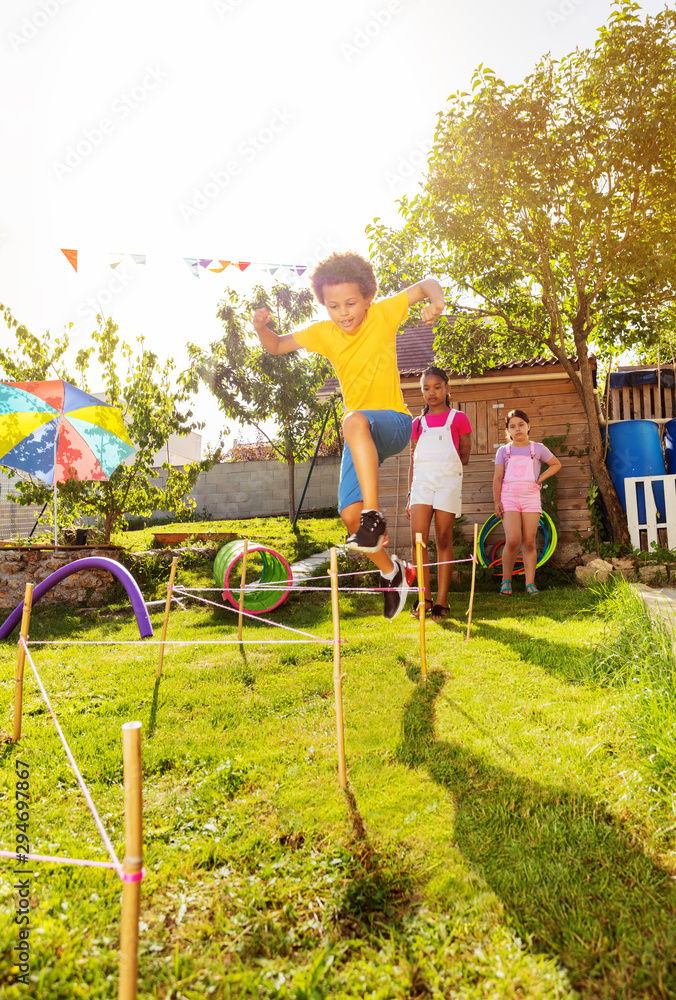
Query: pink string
column 80, row 780
column 133, row 876
column 82, row 862
column 183, row 642
column 63, row 861
column 246, row 614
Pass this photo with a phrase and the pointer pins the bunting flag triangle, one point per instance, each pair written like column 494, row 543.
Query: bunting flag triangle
column 242, row 264
column 204, row 261
column 138, row 258
column 193, row 265
column 300, row 270
column 224, row 263
column 71, row 257
column 273, row 268
column 116, row 258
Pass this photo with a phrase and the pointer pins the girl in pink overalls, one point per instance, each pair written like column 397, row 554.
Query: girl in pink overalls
column 440, row 446
column 516, row 492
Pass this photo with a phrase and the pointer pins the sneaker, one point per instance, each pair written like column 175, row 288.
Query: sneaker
column 370, row 535
column 395, row 596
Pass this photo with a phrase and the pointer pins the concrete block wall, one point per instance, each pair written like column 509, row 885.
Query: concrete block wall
column 260, row 489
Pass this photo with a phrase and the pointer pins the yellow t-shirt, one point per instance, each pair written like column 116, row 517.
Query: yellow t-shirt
column 365, row 361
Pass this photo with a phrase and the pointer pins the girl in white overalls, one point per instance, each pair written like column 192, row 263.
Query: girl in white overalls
column 516, row 492
column 440, row 446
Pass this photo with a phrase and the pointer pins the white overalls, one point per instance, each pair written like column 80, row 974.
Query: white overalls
column 437, row 469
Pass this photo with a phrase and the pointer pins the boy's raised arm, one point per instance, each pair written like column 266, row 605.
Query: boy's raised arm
column 428, row 288
column 271, row 341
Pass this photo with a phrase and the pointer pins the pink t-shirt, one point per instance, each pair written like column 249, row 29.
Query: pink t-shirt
column 460, row 425
column 541, row 454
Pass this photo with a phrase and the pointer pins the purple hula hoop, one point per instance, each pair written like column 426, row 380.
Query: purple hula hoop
column 93, row 562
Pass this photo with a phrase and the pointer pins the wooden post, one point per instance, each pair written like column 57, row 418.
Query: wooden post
column 18, row 686
column 242, row 585
column 419, row 545
column 167, row 609
column 337, row 674
column 471, row 593
column 133, row 860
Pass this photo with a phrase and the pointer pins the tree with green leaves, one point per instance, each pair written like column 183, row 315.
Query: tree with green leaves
column 153, row 408
column 550, row 210
column 254, row 387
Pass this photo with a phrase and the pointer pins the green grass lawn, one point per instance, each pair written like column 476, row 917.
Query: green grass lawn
column 312, row 534
column 498, row 838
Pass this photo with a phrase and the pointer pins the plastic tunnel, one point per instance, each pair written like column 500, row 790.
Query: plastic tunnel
column 275, row 570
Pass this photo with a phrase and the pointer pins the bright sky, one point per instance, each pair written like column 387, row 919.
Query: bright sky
column 254, row 130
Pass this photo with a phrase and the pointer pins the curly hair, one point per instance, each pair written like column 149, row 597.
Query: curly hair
column 340, row 268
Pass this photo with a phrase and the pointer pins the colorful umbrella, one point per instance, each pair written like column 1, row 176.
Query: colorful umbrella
column 55, row 432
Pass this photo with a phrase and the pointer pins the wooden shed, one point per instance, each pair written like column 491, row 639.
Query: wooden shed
column 538, row 386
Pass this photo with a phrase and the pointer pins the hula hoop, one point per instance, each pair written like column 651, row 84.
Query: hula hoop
column 548, row 529
column 275, row 570
column 496, row 561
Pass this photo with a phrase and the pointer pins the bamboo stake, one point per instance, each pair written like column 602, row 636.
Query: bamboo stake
column 245, row 553
column 167, row 609
column 18, row 687
column 133, row 860
column 337, row 674
column 419, row 545
column 471, row 593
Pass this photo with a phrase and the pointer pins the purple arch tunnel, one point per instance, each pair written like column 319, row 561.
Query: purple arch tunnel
column 93, row 562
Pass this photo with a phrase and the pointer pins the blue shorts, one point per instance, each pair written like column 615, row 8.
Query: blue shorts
column 391, row 432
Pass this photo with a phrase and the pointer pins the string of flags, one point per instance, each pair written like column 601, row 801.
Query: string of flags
column 196, row 265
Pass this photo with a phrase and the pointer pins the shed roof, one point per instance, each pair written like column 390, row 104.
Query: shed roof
column 415, row 353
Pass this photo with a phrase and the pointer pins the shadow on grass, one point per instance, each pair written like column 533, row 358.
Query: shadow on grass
column 573, row 882
column 560, row 659
column 152, row 721
column 379, row 885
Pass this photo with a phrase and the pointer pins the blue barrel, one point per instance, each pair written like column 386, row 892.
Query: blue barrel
column 670, row 446
column 635, row 449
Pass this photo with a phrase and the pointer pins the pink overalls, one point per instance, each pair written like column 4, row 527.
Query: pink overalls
column 520, row 490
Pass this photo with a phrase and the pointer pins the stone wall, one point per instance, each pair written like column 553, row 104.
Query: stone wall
column 260, row 489
column 19, row 566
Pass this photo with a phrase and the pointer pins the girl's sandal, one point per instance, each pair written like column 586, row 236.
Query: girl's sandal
column 506, row 588
column 415, row 613
column 532, row 590
column 439, row 611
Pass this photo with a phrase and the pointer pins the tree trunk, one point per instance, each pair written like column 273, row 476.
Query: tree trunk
column 292, row 485
column 108, row 526
column 585, row 389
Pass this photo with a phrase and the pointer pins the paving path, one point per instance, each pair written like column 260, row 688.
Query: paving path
column 660, row 603
column 304, row 568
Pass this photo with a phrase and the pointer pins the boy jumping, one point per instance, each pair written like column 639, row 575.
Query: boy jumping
column 359, row 339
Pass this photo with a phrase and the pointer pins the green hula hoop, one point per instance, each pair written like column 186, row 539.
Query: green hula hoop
column 548, row 529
